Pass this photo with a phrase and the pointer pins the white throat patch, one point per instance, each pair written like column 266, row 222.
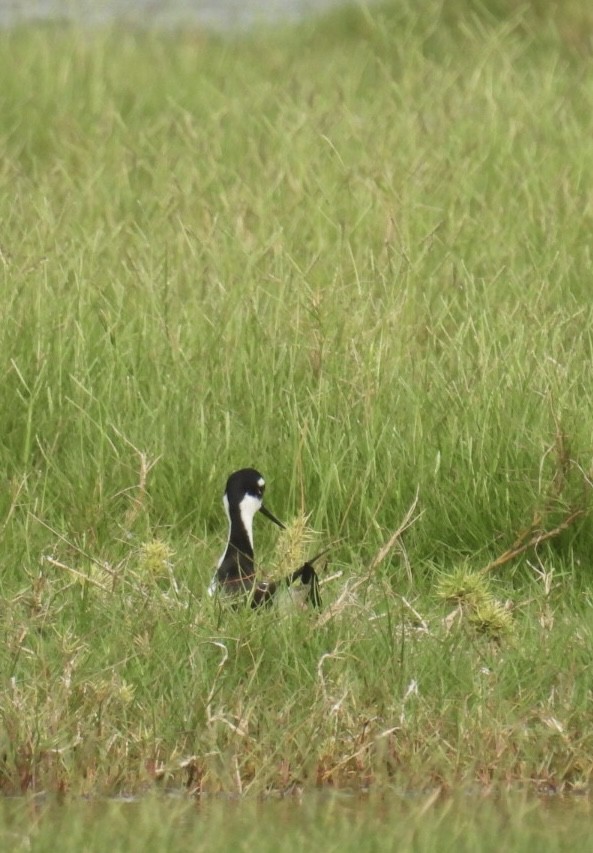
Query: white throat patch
column 247, row 509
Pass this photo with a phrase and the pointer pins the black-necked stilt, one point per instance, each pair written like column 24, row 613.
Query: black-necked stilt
column 235, row 574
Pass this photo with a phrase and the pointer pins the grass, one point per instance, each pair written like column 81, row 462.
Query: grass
column 356, row 255
column 425, row 822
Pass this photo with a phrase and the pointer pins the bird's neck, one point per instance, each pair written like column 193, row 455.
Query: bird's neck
column 240, row 543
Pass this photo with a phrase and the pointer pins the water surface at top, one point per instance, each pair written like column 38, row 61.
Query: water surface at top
column 212, row 14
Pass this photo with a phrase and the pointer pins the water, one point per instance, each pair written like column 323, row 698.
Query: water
column 211, row 14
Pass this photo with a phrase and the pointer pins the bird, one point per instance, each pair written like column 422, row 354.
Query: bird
column 235, row 573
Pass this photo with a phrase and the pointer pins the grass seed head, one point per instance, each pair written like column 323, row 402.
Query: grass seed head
column 465, row 587
column 493, row 619
column 154, row 559
column 294, row 545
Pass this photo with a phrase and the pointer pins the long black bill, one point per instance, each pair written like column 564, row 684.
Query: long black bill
column 273, row 518
column 317, row 556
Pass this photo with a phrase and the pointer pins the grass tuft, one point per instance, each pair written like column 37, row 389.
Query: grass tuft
column 154, row 559
column 491, row 618
column 465, row 586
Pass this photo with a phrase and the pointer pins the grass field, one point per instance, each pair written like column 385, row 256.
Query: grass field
column 424, row 823
column 358, row 256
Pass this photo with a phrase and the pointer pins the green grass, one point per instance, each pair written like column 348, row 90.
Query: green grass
column 358, row 256
column 425, row 822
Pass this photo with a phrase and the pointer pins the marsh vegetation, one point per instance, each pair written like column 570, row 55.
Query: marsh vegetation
column 356, row 255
